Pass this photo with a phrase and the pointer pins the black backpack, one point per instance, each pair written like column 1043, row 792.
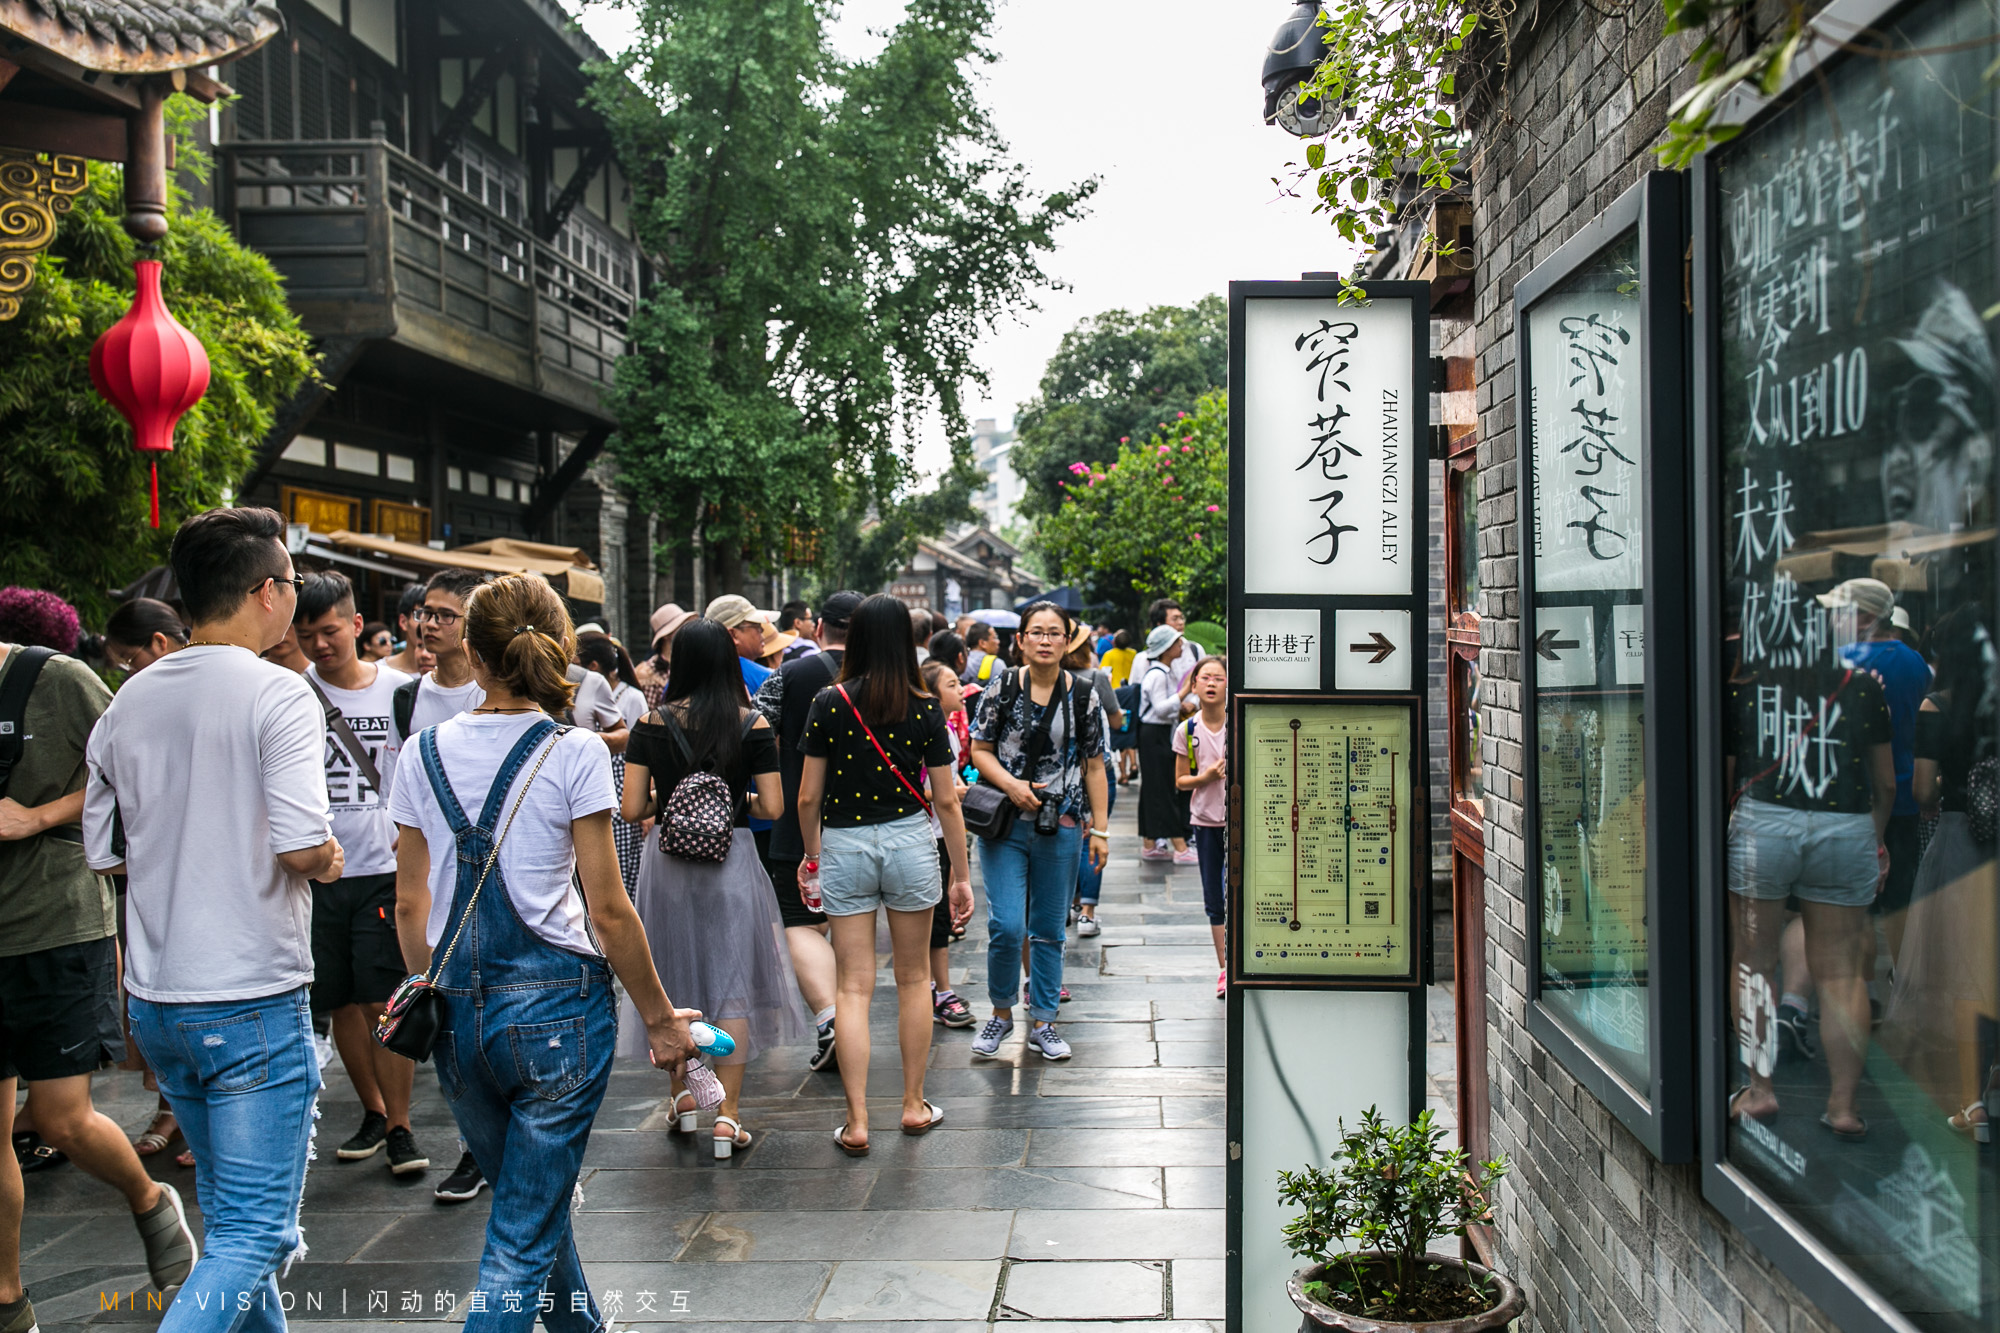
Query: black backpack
column 14, row 692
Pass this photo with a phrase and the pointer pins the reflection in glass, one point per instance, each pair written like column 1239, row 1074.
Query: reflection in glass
column 1857, row 427
column 1470, row 778
column 1465, row 503
column 1587, row 635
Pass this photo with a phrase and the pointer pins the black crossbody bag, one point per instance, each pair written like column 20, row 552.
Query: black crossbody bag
column 988, row 811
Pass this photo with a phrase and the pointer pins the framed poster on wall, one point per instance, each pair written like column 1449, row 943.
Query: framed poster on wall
column 1848, row 571
column 1602, row 379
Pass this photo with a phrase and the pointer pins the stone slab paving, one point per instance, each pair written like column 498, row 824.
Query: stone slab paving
column 1081, row 1195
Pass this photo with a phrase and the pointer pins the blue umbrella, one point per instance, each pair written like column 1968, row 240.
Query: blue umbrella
column 1066, row 597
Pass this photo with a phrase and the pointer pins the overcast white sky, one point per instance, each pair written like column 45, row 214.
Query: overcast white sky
column 1161, row 101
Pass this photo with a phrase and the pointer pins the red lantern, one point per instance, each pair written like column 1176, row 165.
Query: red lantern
column 151, row 369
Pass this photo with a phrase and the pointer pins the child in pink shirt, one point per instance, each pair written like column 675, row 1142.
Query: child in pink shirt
column 1201, row 744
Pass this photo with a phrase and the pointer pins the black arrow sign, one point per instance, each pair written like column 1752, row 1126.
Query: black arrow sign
column 1381, row 648
column 1548, row 645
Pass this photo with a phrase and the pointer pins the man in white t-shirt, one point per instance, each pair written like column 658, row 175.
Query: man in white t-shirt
column 357, row 960
column 206, row 788
column 1166, row 611
column 448, row 688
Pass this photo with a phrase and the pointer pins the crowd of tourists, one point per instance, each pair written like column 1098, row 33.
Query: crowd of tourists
column 490, row 837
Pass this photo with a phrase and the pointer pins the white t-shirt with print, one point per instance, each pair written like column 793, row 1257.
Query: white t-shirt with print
column 214, row 762
column 360, row 813
column 435, row 703
column 538, row 855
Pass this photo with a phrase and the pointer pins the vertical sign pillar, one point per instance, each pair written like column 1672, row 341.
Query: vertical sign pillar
column 1329, row 843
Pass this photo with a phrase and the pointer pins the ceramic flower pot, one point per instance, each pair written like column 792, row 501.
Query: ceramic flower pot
column 1322, row 1318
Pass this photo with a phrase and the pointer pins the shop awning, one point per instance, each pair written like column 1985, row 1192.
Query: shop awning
column 567, row 568
column 1897, row 551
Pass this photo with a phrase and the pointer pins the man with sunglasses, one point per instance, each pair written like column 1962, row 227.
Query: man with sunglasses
column 205, row 785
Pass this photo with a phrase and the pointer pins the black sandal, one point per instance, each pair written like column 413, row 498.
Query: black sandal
column 34, row 1154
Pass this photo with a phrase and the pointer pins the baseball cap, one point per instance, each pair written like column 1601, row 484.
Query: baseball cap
column 730, row 610
column 668, row 619
column 1871, row 597
column 1162, row 638
column 839, row 608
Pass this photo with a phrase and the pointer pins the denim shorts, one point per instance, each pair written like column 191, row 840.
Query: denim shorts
column 1822, row 856
column 890, row 865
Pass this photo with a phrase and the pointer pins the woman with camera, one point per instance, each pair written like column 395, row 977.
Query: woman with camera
column 1038, row 739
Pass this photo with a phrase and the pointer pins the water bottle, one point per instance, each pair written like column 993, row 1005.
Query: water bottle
column 810, row 890
column 712, row 1041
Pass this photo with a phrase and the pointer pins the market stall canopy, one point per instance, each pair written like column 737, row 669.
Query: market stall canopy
column 569, row 568
column 1896, row 552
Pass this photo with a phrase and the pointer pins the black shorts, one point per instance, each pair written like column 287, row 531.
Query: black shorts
column 357, row 958
column 792, row 909
column 941, row 914
column 1902, row 838
column 59, row 1011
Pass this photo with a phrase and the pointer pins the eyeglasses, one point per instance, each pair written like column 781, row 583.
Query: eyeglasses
column 1046, row 635
column 298, row 582
column 445, row 618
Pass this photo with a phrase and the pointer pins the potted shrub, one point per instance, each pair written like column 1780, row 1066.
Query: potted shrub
column 1367, row 1227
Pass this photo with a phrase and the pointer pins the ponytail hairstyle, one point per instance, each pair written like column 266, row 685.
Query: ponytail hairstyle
column 138, row 619
column 608, row 655
column 521, row 633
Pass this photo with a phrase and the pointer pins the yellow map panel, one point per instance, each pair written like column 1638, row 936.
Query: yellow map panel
column 1326, row 840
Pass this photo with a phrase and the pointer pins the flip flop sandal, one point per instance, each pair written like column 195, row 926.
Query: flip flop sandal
column 1764, row 1119
column 184, row 1158
column 937, row 1114
column 33, row 1154
column 738, row 1137
column 1850, row 1135
column 840, row 1137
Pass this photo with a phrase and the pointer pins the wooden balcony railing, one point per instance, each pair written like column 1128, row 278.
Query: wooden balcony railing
column 357, row 226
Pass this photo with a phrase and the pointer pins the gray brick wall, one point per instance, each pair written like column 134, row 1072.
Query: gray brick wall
column 1604, row 1237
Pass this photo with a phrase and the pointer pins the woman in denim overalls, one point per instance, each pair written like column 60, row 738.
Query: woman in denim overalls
column 525, row 1053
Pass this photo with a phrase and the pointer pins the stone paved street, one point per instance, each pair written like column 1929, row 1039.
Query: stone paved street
column 1087, row 1190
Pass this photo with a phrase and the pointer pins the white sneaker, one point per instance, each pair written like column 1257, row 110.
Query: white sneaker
column 1049, row 1042
column 1087, row 926
column 989, row 1038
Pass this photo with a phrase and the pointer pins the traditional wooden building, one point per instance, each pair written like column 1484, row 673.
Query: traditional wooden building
column 455, row 233
column 969, row 572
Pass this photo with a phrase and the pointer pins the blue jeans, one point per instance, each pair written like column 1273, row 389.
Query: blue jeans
column 1089, row 879
column 1029, row 881
column 525, row 1072
column 524, row 1058
column 242, row 1078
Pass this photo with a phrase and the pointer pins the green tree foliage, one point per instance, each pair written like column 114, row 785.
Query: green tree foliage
column 1117, row 376
column 831, row 238
column 1154, row 521
column 73, row 492
column 863, row 548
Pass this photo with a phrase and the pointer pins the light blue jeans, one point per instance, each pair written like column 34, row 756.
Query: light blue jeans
column 1029, row 880
column 242, row 1078
column 1089, row 879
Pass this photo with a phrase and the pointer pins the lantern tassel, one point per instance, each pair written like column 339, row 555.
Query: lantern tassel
column 155, row 468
